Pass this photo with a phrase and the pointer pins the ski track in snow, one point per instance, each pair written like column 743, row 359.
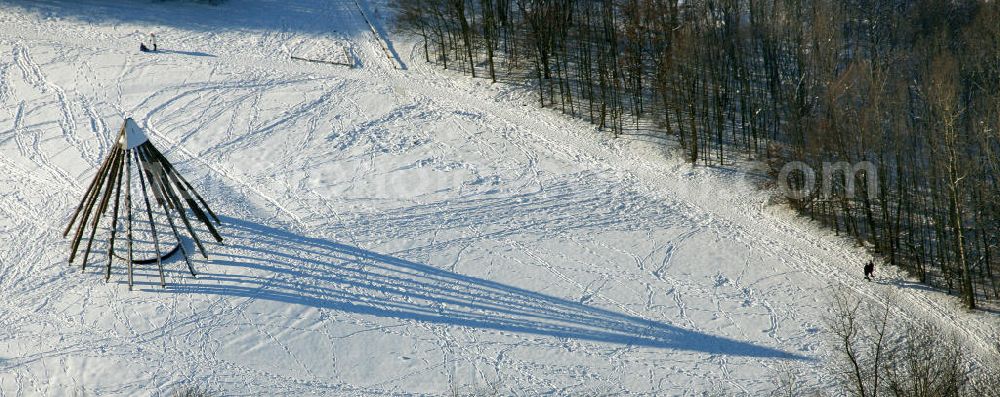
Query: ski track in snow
column 388, row 231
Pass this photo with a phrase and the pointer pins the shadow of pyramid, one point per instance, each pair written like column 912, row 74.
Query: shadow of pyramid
column 275, row 265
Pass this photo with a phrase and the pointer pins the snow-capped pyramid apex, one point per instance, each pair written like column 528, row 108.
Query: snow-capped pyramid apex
column 134, row 136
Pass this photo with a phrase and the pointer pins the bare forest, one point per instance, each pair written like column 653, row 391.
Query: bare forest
column 911, row 88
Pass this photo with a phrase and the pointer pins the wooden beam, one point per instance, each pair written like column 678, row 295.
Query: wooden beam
column 149, row 214
column 157, row 185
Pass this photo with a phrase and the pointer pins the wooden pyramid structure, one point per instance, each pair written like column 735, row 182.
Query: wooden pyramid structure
column 173, row 194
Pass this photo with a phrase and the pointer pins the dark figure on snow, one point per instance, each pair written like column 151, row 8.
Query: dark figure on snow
column 143, row 48
column 869, row 270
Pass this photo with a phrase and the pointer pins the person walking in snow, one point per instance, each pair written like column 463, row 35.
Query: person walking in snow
column 152, row 40
column 869, row 270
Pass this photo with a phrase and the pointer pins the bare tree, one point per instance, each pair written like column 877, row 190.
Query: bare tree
column 860, row 330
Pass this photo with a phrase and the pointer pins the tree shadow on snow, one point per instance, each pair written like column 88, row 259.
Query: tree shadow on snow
column 279, row 266
column 299, row 16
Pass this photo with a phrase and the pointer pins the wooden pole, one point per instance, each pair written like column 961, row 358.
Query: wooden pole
column 128, row 209
column 112, row 176
column 152, row 223
column 90, row 189
column 198, row 213
column 163, row 169
column 89, row 207
column 167, row 164
column 114, row 219
column 159, row 185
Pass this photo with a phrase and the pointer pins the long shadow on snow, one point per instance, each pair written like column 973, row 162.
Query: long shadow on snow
column 285, row 267
column 188, row 53
column 294, row 16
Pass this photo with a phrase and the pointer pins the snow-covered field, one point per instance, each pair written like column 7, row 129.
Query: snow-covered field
column 390, row 229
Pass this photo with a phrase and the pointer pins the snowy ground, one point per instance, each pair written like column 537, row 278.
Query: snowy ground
column 390, row 229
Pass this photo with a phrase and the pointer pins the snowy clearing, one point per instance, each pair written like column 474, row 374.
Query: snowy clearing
column 390, row 229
